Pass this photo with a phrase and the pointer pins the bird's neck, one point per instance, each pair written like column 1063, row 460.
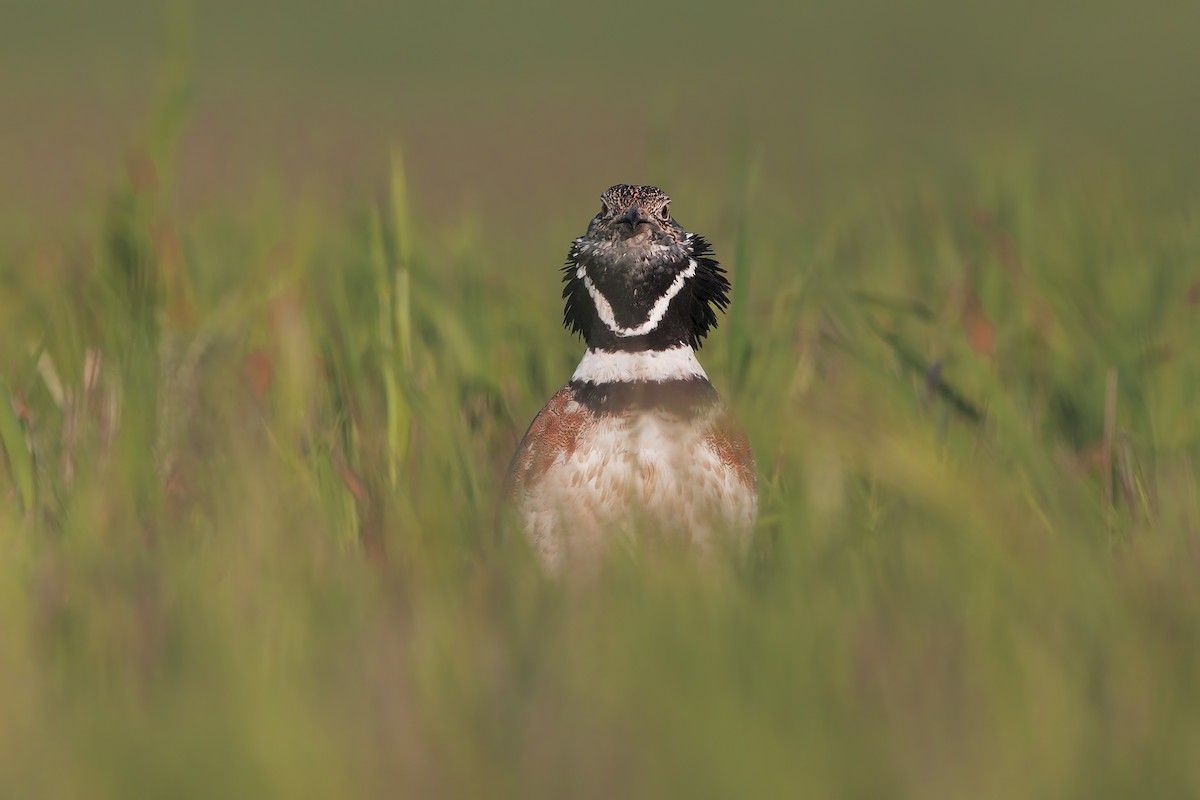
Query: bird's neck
column 669, row 364
column 618, row 381
column 655, row 302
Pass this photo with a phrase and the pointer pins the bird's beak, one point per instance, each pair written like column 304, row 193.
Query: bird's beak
column 633, row 217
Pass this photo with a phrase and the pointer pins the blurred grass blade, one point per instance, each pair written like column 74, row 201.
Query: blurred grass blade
column 399, row 411
column 402, row 309
column 175, row 86
column 16, row 449
column 401, row 222
column 392, row 289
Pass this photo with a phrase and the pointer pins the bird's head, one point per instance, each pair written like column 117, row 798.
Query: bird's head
column 637, row 280
column 634, row 218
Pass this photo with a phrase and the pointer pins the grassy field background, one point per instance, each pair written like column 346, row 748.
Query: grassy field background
column 279, row 294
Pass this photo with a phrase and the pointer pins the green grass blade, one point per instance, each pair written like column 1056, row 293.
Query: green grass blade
column 16, row 450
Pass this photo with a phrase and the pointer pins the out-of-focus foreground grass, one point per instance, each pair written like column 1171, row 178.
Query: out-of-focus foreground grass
column 250, row 464
column 248, row 518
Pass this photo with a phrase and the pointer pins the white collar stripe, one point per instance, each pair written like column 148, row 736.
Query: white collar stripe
column 605, row 312
column 673, row 364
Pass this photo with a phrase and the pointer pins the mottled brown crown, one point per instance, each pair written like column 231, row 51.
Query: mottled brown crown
column 620, row 197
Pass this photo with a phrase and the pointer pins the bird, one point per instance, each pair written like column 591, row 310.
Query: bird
column 638, row 439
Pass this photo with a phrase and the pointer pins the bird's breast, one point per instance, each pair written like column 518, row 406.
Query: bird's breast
column 646, row 468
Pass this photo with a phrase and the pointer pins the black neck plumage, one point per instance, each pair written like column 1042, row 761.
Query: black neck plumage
column 655, row 305
column 683, row 397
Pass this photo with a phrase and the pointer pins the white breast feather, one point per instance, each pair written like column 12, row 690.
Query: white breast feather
column 651, row 469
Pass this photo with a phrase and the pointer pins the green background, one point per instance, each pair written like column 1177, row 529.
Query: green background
column 279, row 293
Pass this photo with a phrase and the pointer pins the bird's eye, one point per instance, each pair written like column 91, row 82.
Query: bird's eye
column 665, row 213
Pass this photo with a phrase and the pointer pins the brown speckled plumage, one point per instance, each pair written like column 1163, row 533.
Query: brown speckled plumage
column 553, row 435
